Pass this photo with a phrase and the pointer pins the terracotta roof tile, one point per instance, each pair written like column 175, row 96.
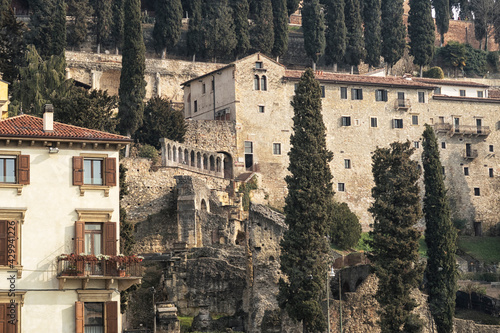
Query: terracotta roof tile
column 32, row 127
column 388, row 81
column 439, row 82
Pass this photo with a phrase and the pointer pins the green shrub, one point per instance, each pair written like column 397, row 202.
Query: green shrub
column 476, row 61
column 345, row 229
column 493, row 60
column 434, row 73
column 245, row 188
column 148, row 151
column 459, row 224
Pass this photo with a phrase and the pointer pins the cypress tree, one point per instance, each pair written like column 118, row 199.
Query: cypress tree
column 102, row 21
column 263, row 31
column 168, row 23
column 313, row 24
column 280, row 28
column 195, row 30
column 59, row 31
column 292, row 6
column 117, row 24
column 396, row 210
column 393, row 31
column 41, row 25
column 440, row 236
column 219, row 33
column 371, row 17
column 355, row 46
column 307, row 208
column 344, row 229
column 132, row 84
column 442, row 14
column 335, row 32
column 421, row 32
column 240, row 9
column 12, row 45
column 77, row 28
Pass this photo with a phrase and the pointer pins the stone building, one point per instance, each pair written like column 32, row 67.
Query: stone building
column 361, row 113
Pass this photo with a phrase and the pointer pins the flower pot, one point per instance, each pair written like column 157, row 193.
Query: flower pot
column 121, row 273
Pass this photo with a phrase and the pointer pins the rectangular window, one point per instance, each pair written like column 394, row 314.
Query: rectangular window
column 480, row 93
column 347, row 163
column 203, row 88
column 442, row 170
column 397, row 123
column 93, row 238
column 6, row 310
column 466, row 171
column 477, row 191
column 491, row 148
column 323, row 94
column 421, row 97
column 248, row 147
column 213, row 85
column 381, row 95
column 443, row 145
column 92, row 171
column 258, row 65
column 462, row 92
column 343, row 92
column 490, row 172
column 437, row 91
column 276, row 148
column 356, row 94
column 15, row 169
column 346, row 121
column 416, row 144
column 414, row 120
column 195, row 106
column 373, row 122
column 341, row 187
column 261, row 109
column 9, row 241
column 8, row 169
column 94, row 317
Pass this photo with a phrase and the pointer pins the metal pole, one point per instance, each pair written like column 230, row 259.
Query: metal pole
column 154, row 310
column 328, row 298
column 340, row 302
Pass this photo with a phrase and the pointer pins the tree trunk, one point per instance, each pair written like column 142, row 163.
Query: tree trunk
column 486, row 41
column 421, row 70
column 164, row 53
column 194, row 57
column 335, row 67
column 314, row 66
column 116, row 50
column 98, row 48
column 442, row 40
column 127, row 147
column 352, row 69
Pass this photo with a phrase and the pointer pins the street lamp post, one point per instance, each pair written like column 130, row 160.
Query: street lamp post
column 329, row 274
column 332, row 274
column 154, row 309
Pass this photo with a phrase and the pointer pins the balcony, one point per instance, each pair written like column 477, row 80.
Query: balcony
column 402, row 104
column 469, row 154
column 127, row 270
column 470, row 130
column 442, row 127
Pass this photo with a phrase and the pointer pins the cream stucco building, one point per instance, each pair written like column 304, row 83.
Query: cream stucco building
column 361, row 113
column 59, row 228
column 4, row 99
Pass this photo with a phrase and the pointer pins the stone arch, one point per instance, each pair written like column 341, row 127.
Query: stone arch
column 263, row 83
column 169, row 152
column 203, row 205
column 256, row 82
column 240, row 238
column 198, row 160
column 186, row 156
column 193, row 159
column 227, row 165
column 174, row 154
column 218, row 165
column 358, row 283
column 345, row 287
column 212, row 163
column 181, row 159
column 205, row 162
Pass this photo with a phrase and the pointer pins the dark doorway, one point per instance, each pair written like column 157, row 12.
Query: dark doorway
column 478, row 229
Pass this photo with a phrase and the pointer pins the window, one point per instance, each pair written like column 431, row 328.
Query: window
column 213, row 84
column 195, row 106
column 14, row 169
column 490, row 172
column 94, row 170
column 416, row 144
column 203, row 88
column 259, row 65
column 466, row 171
column 248, row 155
column 480, row 93
column 93, row 238
column 343, row 92
column 443, row 145
column 491, row 148
column 347, row 163
column 256, row 82
column 414, row 120
column 397, row 123
column 96, row 317
column 295, row 87
column 477, row 191
column 248, row 147
column 323, row 94
column 276, row 148
column 356, row 94
column 421, row 97
column 6, row 310
column 9, row 243
column 462, row 92
column 381, row 95
column 346, row 121
column 263, row 83
column 437, row 91
column 341, row 187
column 261, row 109
column 442, row 170
column 373, row 122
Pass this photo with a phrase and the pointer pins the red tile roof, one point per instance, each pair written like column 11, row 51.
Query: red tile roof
column 26, row 126
column 388, row 81
column 461, row 83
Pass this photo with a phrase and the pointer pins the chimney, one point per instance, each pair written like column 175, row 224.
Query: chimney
column 48, row 118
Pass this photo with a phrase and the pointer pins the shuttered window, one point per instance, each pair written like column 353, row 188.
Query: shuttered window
column 93, row 317
column 109, row 236
column 9, row 243
column 15, row 169
column 94, row 171
column 9, row 317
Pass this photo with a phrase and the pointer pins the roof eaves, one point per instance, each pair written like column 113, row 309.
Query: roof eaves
column 207, row 74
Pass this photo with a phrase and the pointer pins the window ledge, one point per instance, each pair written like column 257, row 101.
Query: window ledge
column 18, row 268
column 18, row 186
column 104, row 188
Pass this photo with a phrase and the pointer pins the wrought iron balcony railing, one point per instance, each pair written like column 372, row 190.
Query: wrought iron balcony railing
column 469, row 154
column 88, row 266
column 402, row 104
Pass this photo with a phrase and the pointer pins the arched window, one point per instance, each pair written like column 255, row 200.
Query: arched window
column 263, row 83
column 205, row 162
column 218, row 164
column 256, row 84
column 212, row 163
column 169, row 152
column 174, row 150
column 198, row 159
column 186, row 157
column 193, row 161
column 180, row 155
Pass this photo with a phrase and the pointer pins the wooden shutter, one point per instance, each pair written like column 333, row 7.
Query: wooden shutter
column 79, row 237
column 110, row 171
column 77, row 170
column 12, row 328
column 17, row 243
column 110, row 238
column 3, row 242
column 23, row 169
column 3, row 317
column 79, row 317
column 111, row 314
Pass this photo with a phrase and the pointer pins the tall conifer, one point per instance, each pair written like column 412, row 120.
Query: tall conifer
column 304, row 246
column 168, row 23
column 292, row 6
column 80, row 11
column 393, row 31
column 12, row 45
column 313, row 24
column 117, row 24
column 440, row 236
column 396, row 209
column 280, row 28
column 103, row 15
column 240, row 9
column 262, row 37
column 421, row 32
column 335, row 32
column 219, row 33
column 41, row 25
column 58, row 46
column 355, row 46
column 371, row 18
column 442, row 10
column 195, row 31
column 132, row 84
